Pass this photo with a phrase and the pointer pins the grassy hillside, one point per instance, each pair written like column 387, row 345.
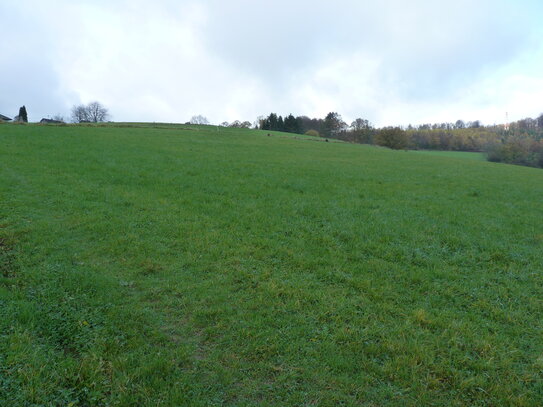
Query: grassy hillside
column 452, row 154
column 188, row 266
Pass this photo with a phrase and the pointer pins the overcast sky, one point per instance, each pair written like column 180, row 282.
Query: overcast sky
column 390, row 61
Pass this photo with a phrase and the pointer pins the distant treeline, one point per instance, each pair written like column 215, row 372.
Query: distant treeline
column 520, row 142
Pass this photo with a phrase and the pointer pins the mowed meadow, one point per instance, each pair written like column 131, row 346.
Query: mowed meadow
column 166, row 265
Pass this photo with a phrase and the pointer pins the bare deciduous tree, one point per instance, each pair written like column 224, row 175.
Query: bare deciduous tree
column 79, row 114
column 240, row 125
column 199, row 119
column 93, row 112
column 97, row 112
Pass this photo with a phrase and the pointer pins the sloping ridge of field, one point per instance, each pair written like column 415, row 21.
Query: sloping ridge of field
column 145, row 266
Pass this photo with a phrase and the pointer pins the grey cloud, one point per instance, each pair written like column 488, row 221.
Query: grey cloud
column 27, row 73
column 237, row 59
column 426, row 48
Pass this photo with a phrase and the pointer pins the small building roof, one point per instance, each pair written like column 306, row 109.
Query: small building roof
column 5, row 118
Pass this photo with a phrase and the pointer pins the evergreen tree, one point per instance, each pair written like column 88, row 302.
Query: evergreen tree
column 23, row 115
column 272, row 118
column 291, row 124
column 280, row 124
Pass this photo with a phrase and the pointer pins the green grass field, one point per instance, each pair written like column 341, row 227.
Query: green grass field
column 453, row 154
column 181, row 265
